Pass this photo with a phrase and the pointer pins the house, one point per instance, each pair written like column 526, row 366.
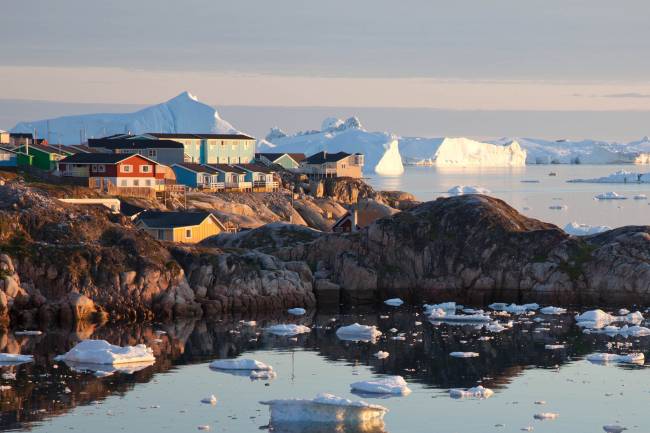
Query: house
column 17, row 139
column 290, row 161
column 118, row 170
column 8, row 158
column 233, row 177
column 42, row 156
column 82, row 148
column 185, row 227
column 162, row 151
column 195, row 175
column 259, row 175
column 364, row 213
column 341, row 164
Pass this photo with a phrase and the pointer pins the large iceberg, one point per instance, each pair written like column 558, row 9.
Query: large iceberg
column 182, row 114
column 102, row 352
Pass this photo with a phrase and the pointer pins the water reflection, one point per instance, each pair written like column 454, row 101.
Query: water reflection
column 45, row 389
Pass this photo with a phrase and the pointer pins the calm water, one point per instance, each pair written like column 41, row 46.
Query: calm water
column 166, row 396
column 534, row 199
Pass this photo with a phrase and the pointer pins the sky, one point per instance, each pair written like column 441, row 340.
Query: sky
column 509, row 55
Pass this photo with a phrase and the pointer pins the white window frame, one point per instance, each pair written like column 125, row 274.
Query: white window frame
column 136, row 182
column 124, row 182
column 152, row 153
column 146, row 168
column 126, row 168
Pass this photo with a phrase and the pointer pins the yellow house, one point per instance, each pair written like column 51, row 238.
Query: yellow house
column 184, row 227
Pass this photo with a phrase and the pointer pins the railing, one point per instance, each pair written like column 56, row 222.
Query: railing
column 262, row 184
column 239, row 185
column 213, row 186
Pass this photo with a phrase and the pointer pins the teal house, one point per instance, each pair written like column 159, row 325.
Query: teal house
column 197, row 176
column 289, row 161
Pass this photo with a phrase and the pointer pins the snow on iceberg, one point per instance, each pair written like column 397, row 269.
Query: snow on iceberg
column 577, row 229
column 606, row 358
column 357, row 332
column 102, row 352
column 287, row 329
column 184, row 113
column 610, row 195
column 14, row 359
column 390, row 163
column 239, row 364
column 463, row 190
column 326, row 408
column 387, row 385
column 475, row 392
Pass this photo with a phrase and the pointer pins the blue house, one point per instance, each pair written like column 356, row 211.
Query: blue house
column 8, row 158
column 259, row 175
column 197, row 176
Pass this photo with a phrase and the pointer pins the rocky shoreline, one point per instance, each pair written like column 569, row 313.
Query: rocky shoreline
column 67, row 263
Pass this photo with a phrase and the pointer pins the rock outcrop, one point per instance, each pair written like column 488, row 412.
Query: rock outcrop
column 477, row 249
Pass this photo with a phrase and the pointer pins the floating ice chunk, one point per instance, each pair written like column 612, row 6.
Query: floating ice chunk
column 558, row 207
column 287, row 329
column 250, row 323
column 262, row 375
column 102, row 352
column 611, row 195
column 513, row 308
column 552, row 310
column 640, row 197
column 394, row 302
column 624, row 331
column 387, row 385
column 28, row 333
column 445, row 306
column 203, row 427
column 577, row 229
column 597, row 319
column 357, row 332
column 296, row 311
column 471, row 189
column 475, row 392
column 546, row 415
column 496, row 327
column 14, row 359
column 605, row 358
column 554, row 347
column 464, row 354
column 326, row 408
column 381, row 355
column 614, row 428
column 209, row 400
column 445, row 316
column 239, row 364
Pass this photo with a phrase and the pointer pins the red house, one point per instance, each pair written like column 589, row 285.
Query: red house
column 121, row 170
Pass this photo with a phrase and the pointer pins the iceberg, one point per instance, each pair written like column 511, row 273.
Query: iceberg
column 624, row 331
column 239, row 364
column 287, row 329
column 387, row 385
column 440, row 315
column 357, row 332
column 546, row 416
column 621, row 176
column 326, row 408
column 611, row 195
column 296, row 311
column 394, row 302
column 606, row 358
column 464, row 354
column 552, row 310
column 182, row 114
column 463, row 190
column 390, row 163
column 577, row 229
column 513, row 308
column 597, row 319
column 7, row 359
column 102, row 352
column 464, row 152
column 381, row 355
column 475, row 392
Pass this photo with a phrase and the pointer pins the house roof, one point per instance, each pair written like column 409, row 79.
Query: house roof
column 100, row 158
column 197, row 168
column 168, row 220
column 225, row 168
column 323, row 157
column 129, row 209
column 4, row 149
column 136, row 143
column 80, row 148
column 257, row 168
column 48, row 148
column 201, row 136
column 21, row 134
column 275, row 156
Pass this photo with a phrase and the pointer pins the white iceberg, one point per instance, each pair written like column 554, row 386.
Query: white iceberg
column 296, row 311
column 606, row 358
column 287, row 329
column 239, row 364
column 326, row 408
column 439, row 315
column 387, row 385
column 394, row 302
column 513, row 308
column 464, row 152
column 577, row 229
column 467, row 189
column 597, row 319
column 552, row 310
column 464, row 354
column 262, row 375
column 554, row 346
column 390, row 163
column 624, row 331
column 381, row 355
column 620, row 176
column 475, row 392
column 212, row 400
column 357, row 332
column 611, row 195
column 640, row 197
column 102, row 352
column 14, row 359
column 546, row 416
column 446, row 306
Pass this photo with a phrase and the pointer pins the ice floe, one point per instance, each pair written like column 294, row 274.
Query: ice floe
column 287, row 329
column 102, row 352
column 14, row 359
column 381, row 355
column 441, row 315
column 624, row 331
column 386, row 385
column 358, row 332
column 610, row 195
column 546, row 415
column 554, row 346
column 558, row 207
column 209, row 400
column 239, row 364
column 464, row 354
column 394, row 302
column 475, row 392
column 296, row 311
column 325, row 408
column 552, row 310
column 262, row 375
column 606, row 358
column 513, row 308
column 467, row 189
column 597, row 319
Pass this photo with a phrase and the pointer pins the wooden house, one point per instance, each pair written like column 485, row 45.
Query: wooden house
column 183, row 227
column 341, row 164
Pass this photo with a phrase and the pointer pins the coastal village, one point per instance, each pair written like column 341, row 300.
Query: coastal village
column 165, row 167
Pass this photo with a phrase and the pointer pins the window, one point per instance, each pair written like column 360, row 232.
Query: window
column 148, row 182
column 161, row 235
column 124, row 182
column 145, row 169
column 98, row 183
column 188, row 233
column 126, row 168
column 152, row 153
column 98, row 168
column 136, row 182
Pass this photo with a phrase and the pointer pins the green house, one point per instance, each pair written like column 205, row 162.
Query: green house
column 41, row 156
column 286, row 160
